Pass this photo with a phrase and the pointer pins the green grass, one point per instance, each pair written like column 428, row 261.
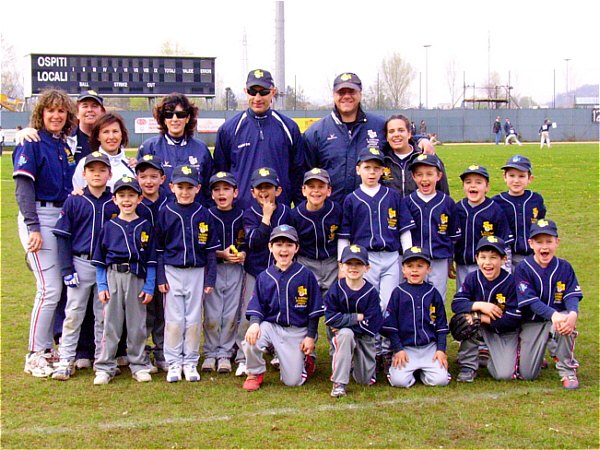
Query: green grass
column 217, row 413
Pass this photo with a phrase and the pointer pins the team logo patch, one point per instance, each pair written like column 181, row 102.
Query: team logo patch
column 203, row 233
column 522, row 287
column 144, row 238
column 535, row 212
column 559, row 294
column 22, row 160
column 148, row 157
column 259, row 73
column 488, row 229
column 387, row 174
column 193, row 160
column 473, row 167
column 332, row 232
column 186, row 170
column 301, row 297
column 346, row 77
column 392, row 219
column 331, row 137
column 432, row 315
column 443, row 225
column 501, row 301
column 70, row 158
column 264, row 172
column 542, row 223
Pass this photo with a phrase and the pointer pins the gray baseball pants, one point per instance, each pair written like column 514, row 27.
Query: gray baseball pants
column 354, row 354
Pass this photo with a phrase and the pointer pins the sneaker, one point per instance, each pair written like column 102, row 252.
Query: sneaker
column 174, row 373
column 224, row 365
column 37, row 365
column 209, row 365
column 102, row 378
column 122, row 361
column 466, row 375
column 241, row 370
column 53, row 357
column 484, row 356
column 253, row 382
column 142, row 376
column 545, row 364
column 162, row 365
column 310, row 365
column 83, row 363
column 64, row 371
column 570, row 382
column 191, row 373
column 275, row 362
column 338, row 390
column 153, row 369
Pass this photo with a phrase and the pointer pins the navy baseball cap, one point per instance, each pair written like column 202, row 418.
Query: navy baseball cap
column 226, row 177
column 518, row 162
column 415, row 253
column 90, row 94
column 284, row 231
column 476, row 169
column 317, row 174
column 260, row 77
column 370, row 153
column 347, row 80
column 427, row 160
column 494, row 242
column 185, row 174
column 264, row 175
column 127, row 182
column 355, row 252
column 543, row 226
column 96, row 157
column 149, row 161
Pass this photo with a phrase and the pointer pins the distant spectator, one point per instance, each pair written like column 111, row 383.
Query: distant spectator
column 423, row 128
column 434, row 139
column 497, row 129
column 413, row 128
column 544, row 132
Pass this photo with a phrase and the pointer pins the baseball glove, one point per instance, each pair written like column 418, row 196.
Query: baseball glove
column 462, row 328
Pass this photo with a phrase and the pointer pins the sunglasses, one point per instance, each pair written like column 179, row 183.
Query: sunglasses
column 179, row 114
column 263, row 92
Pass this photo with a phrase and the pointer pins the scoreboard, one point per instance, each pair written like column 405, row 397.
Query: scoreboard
column 125, row 76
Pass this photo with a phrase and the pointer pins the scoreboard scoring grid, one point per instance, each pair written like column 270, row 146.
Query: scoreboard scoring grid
column 127, row 76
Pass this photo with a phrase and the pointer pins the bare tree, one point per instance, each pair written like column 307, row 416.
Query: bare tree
column 11, row 80
column 397, row 75
column 451, row 79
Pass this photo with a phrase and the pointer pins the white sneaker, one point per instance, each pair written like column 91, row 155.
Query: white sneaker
column 174, row 374
column 191, row 373
column 122, row 361
column 83, row 363
column 224, row 365
column 37, row 364
column 209, row 365
column 142, row 376
column 275, row 362
column 102, row 378
column 64, row 370
column 241, row 370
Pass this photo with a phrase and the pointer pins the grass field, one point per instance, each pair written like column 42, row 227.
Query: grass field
column 217, row 413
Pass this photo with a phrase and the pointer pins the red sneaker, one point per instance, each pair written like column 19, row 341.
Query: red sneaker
column 570, row 382
column 310, row 365
column 253, row 382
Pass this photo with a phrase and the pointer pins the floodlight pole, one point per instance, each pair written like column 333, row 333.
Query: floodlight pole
column 427, row 75
column 567, row 81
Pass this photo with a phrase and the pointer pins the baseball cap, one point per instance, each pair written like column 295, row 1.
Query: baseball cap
column 127, row 182
column 260, row 77
column 149, row 161
column 474, row 168
column 518, row 162
column 427, row 160
column 317, row 174
column 284, row 231
column 96, row 157
column 415, row 253
column 543, row 226
column 494, row 242
column 264, row 175
column 185, row 174
column 370, row 153
column 355, row 252
column 347, row 80
column 90, row 94
column 226, row 177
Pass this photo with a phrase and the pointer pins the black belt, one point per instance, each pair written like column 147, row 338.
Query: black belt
column 44, row 203
column 83, row 255
column 121, row 268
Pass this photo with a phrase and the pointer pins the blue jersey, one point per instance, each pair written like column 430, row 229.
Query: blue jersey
column 149, row 209
column 49, row 163
column 317, row 230
column 246, row 142
column 258, row 234
column 543, row 291
column 475, row 222
column 192, row 152
column 122, row 242
column 375, row 222
column 521, row 212
column 501, row 292
column 436, row 224
column 342, row 304
column 229, row 226
column 415, row 317
column 290, row 299
column 80, row 144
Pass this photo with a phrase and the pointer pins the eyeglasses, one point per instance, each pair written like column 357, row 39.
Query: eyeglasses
column 263, row 92
column 179, row 114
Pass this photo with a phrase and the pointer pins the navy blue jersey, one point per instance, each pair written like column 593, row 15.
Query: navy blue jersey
column 543, row 291
column 122, row 242
column 475, row 222
column 192, row 152
column 149, row 209
column 415, row 316
column 521, row 212
column 257, row 234
column 342, row 304
column 49, row 163
column 290, row 298
column 229, row 226
column 501, row 291
column 246, row 142
column 80, row 144
column 317, row 230
column 375, row 222
column 436, row 224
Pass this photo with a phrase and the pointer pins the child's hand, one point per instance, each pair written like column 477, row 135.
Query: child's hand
column 451, row 270
column 146, row 298
column 341, row 273
column 557, row 320
column 104, row 297
column 442, row 358
column 77, row 191
column 253, row 334
column 400, row 359
column 163, row 288
column 360, row 317
column 268, row 209
column 208, row 290
column 568, row 326
column 489, row 309
column 308, row 345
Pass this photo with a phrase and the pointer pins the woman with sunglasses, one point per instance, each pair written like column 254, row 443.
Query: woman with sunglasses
column 176, row 117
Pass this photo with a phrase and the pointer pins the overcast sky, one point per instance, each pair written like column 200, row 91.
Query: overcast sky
column 528, row 40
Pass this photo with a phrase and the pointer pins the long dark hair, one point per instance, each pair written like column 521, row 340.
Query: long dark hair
column 169, row 103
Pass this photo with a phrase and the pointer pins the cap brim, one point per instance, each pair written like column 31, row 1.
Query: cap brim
column 87, row 163
column 347, row 85
column 264, row 84
column 185, row 180
column 488, row 245
column 516, row 166
column 473, row 172
column 284, row 236
column 408, row 258
column 264, row 180
column 148, row 164
column 541, row 231
column 96, row 99
column 317, row 177
column 127, row 186
column 357, row 258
